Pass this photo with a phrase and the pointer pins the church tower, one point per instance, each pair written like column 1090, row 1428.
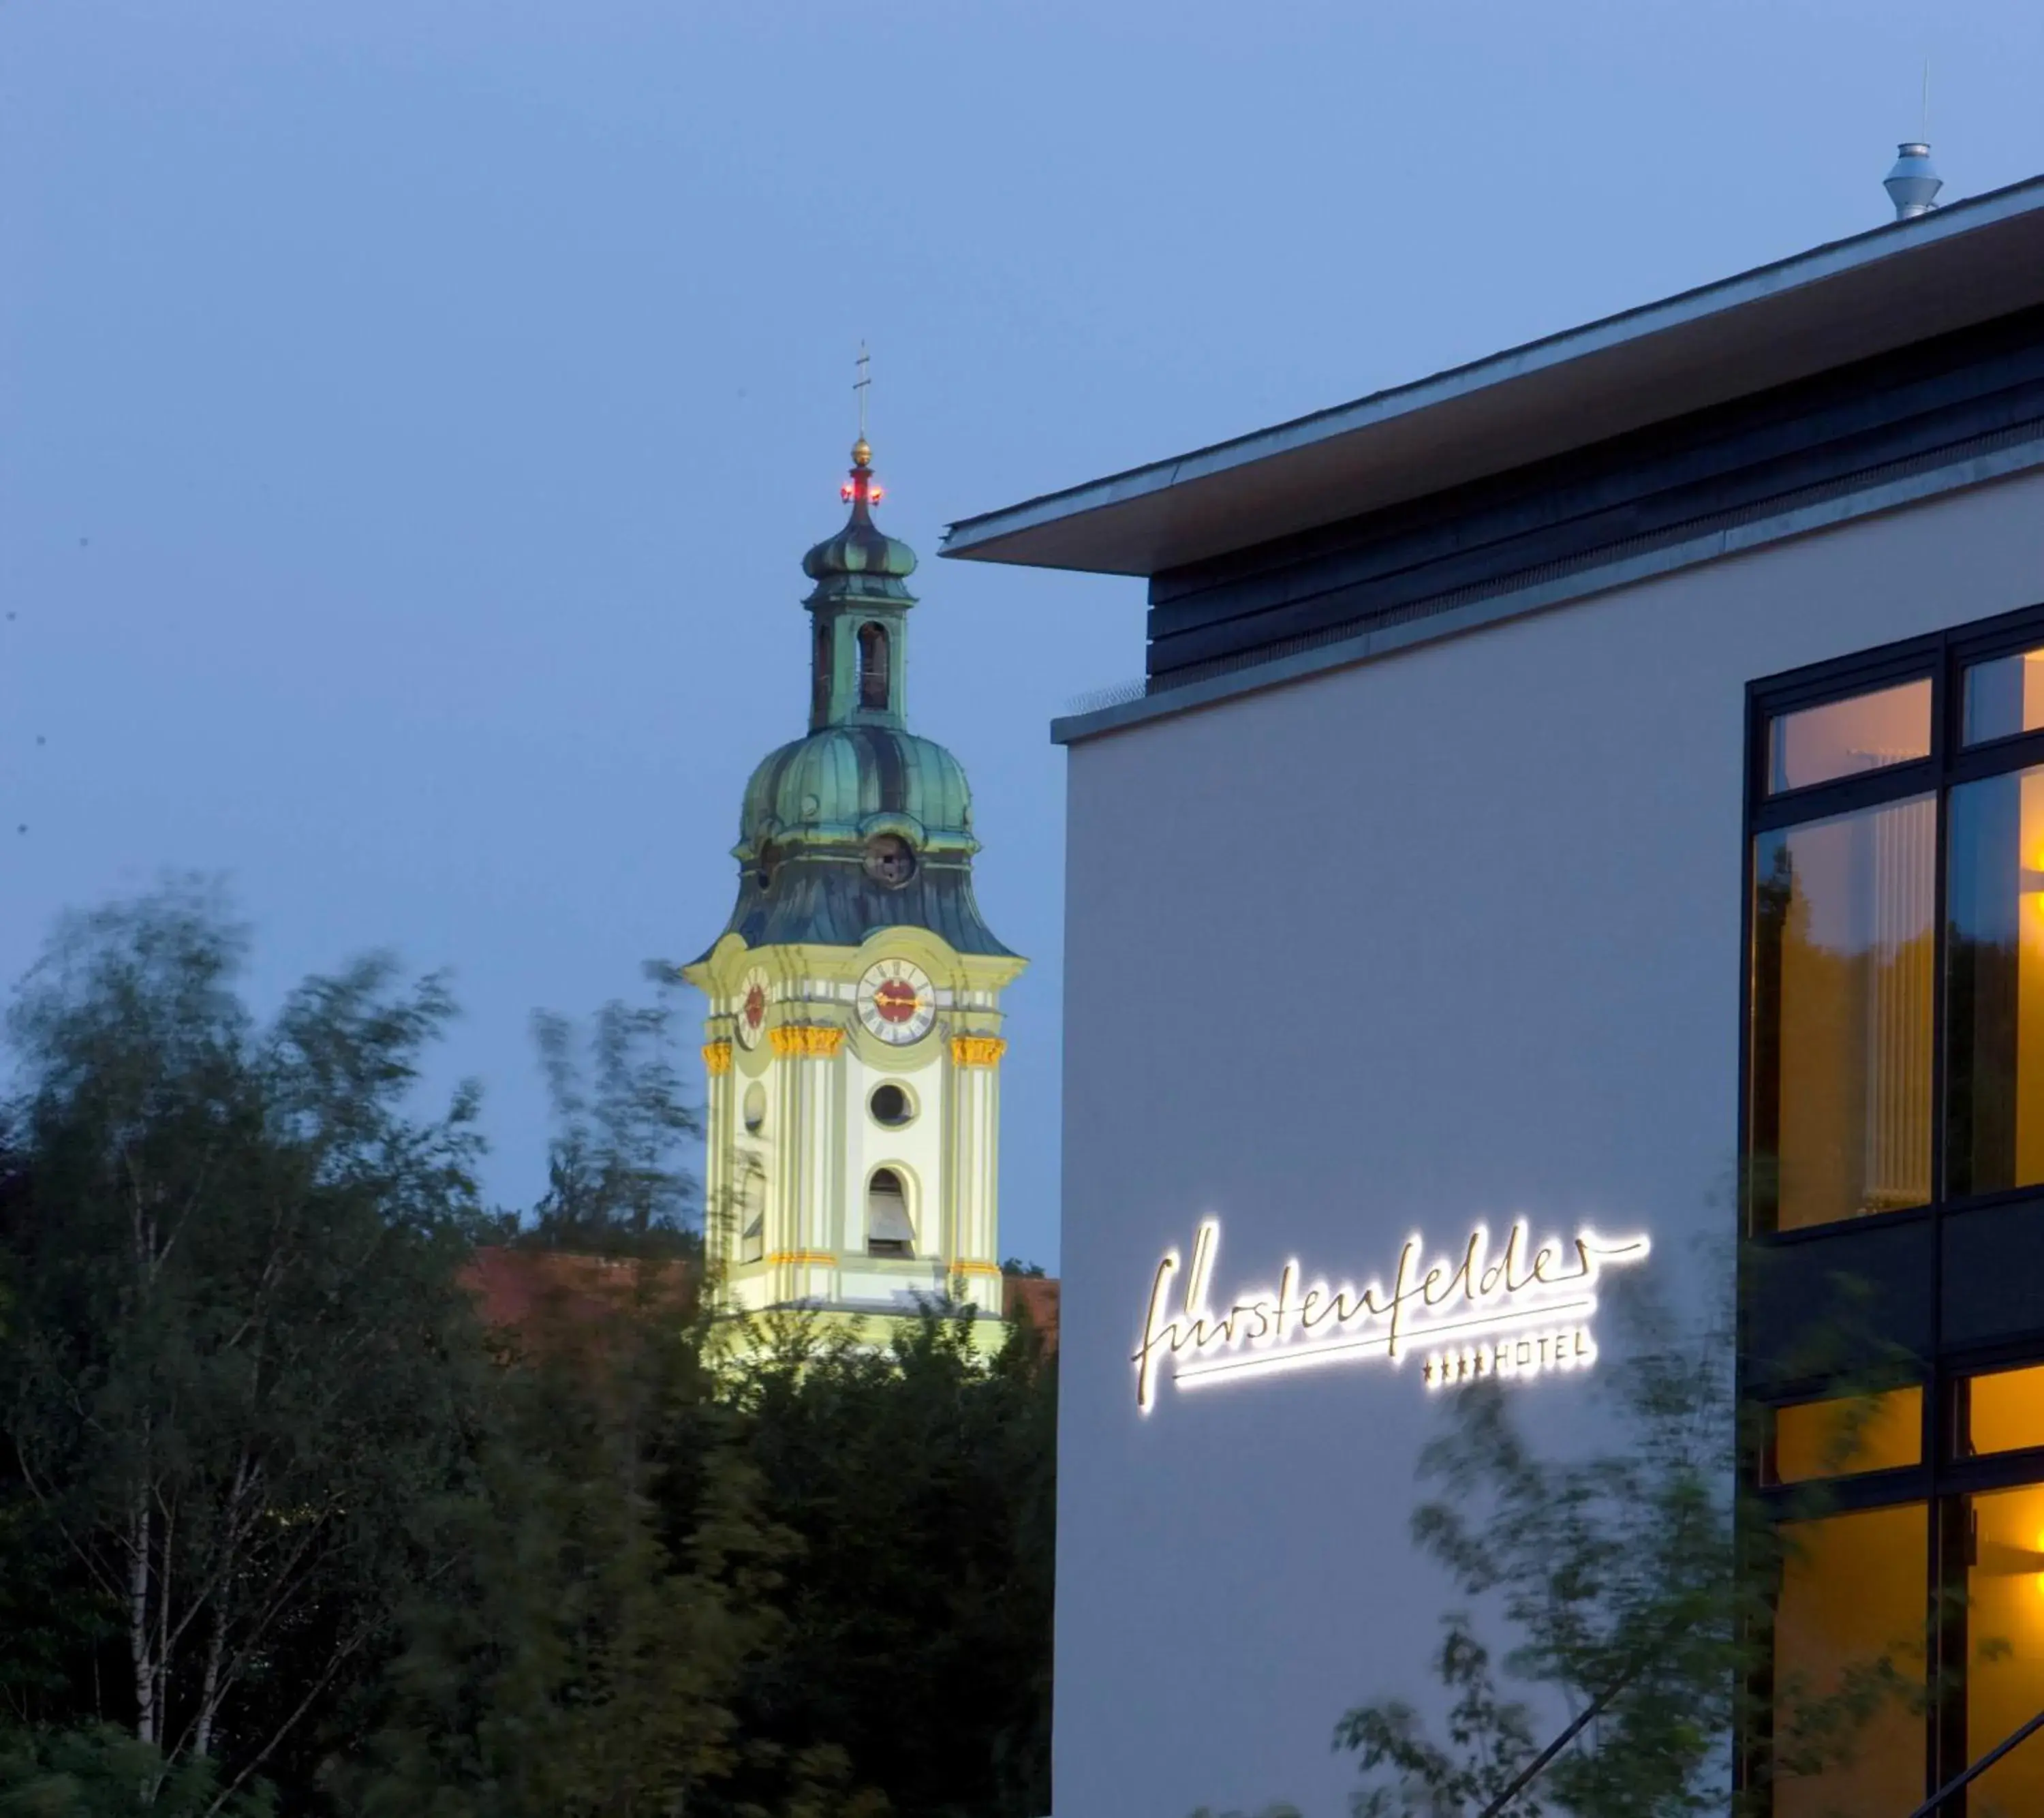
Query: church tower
column 853, row 1044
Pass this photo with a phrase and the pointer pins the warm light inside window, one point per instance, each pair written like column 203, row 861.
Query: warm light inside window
column 2004, row 696
column 1841, row 1438
column 1844, row 738
column 1854, row 1593
column 2006, row 1410
column 1842, row 917
column 2005, row 1636
column 1995, row 984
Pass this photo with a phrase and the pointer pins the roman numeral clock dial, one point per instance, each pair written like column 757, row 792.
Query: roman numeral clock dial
column 897, row 1002
column 753, row 995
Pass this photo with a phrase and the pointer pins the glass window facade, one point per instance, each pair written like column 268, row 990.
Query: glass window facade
column 2004, row 1682
column 1844, row 738
column 1842, row 912
column 1892, row 1130
column 2004, row 696
column 1853, row 1594
column 1995, row 984
column 1847, row 1436
column 2002, row 1410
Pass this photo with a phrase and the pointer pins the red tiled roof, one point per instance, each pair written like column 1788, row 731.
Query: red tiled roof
column 1034, row 1298
column 528, row 1288
column 531, row 1290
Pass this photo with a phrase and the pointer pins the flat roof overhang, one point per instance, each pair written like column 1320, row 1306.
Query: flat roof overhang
column 1901, row 282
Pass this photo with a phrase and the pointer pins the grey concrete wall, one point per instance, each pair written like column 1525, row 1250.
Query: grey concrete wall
column 1449, row 936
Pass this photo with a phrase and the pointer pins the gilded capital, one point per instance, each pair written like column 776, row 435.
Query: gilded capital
column 716, row 1057
column 807, row 1039
column 978, row 1051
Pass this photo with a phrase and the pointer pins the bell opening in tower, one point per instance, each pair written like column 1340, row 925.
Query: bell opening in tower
column 873, row 667
column 887, row 1231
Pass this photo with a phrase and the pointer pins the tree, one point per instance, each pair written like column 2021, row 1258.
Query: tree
column 231, row 1375
column 282, row 1527
column 617, row 1579
column 919, row 1476
column 1638, row 1589
column 615, row 1186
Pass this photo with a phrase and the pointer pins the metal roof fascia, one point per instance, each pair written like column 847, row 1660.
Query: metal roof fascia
column 970, row 538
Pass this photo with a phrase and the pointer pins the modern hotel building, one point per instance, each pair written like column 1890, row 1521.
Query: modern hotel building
column 1598, row 791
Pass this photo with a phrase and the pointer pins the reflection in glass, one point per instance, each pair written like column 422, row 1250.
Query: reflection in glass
column 2005, row 1664
column 2004, row 1413
column 1843, row 738
column 1996, row 983
column 1854, row 1593
column 2004, row 696
column 1839, row 1123
column 1858, row 1433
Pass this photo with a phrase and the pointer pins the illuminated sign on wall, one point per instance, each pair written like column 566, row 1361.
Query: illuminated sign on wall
column 1522, row 1312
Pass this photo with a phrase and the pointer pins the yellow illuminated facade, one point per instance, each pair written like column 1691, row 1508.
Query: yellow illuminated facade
column 845, row 1171
column 853, row 1041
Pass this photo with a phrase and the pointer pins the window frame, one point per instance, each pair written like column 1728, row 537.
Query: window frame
column 1944, row 1480
column 1940, row 656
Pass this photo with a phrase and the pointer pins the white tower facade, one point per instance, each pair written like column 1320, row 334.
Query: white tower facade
column 853, row 1041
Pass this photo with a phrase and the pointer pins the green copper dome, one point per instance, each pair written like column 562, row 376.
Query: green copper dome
column 862, row 825
column 831, row 785
column 861, row 562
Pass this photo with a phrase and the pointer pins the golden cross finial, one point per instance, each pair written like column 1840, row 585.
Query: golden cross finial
column 860, row 384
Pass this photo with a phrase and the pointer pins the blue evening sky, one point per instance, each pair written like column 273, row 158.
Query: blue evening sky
column 412, row 412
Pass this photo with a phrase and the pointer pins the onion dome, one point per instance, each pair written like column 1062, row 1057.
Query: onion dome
column 862, row 825
column 862, row 563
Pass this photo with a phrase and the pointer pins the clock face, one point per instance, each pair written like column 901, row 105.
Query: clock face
column 897, row 1002
column 752, row 1006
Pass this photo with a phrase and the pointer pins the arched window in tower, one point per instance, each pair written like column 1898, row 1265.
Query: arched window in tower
column 752, row 1214
column 887, row 1231
column 873, row 667
column 819, row 675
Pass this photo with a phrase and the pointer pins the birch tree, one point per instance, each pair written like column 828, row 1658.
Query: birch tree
column 231, row 1370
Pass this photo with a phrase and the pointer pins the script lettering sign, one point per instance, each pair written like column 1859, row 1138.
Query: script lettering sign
column 1516, row 1313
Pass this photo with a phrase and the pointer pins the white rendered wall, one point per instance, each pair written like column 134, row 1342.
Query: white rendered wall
column 1449, row 936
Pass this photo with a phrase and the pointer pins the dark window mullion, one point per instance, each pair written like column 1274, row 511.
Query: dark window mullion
column 1997, row 757
column 1822, row 682
column 1946, row 699
column 1825, row 800
column 1950, row 1519
column 1944, row 707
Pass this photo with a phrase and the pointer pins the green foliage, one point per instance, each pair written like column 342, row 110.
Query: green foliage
column 226, row 1379
column 1638, row 1592
column 282, row 1528
column 93, row 1772
column 919, row 1479
column 576, row 1661
column 1490, row 1739
column 615, row 1186
column 817, row 1583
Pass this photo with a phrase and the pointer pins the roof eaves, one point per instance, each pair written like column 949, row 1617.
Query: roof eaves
column 974, row 538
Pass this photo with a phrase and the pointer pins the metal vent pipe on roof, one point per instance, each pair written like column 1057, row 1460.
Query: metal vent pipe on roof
column 1912, row 184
